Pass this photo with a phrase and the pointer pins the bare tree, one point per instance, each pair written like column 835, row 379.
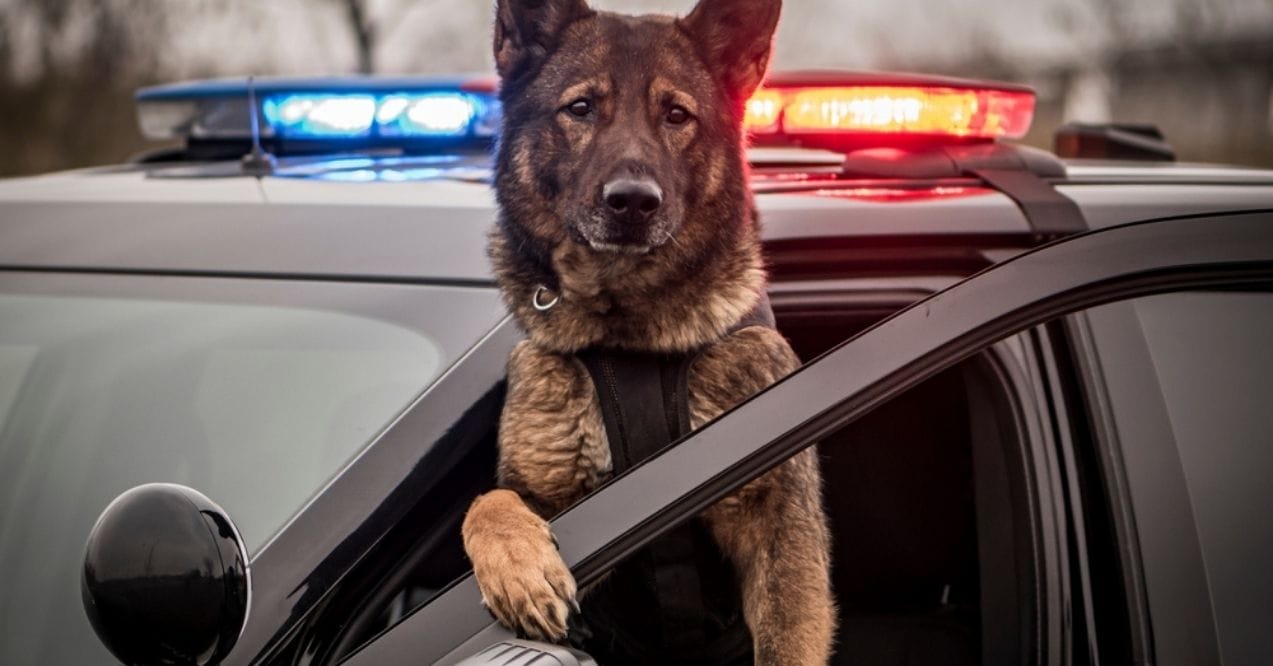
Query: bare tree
column 365, row 33
column 370, row 31
column 6, row 47
column 73, row 105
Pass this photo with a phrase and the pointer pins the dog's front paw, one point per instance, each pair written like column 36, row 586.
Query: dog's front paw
column 523, row 579
column 527, row 586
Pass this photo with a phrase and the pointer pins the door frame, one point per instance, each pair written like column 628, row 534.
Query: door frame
column 848, row 382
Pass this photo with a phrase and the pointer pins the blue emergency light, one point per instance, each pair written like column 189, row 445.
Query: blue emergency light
column 351, row 111
column 838, row 111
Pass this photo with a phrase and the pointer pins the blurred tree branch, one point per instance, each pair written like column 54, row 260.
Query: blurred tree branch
column 69, row 69
column 368, row 31
column 365, row 33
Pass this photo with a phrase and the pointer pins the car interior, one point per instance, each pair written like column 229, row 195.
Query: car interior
column 901, row 489
column 924, row 495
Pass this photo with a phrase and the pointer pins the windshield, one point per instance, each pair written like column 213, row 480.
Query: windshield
column 255, row 406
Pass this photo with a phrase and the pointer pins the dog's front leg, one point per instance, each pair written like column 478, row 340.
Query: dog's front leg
column 775, row 533
column 774, row 529
column 521, row 575
column 552, row 450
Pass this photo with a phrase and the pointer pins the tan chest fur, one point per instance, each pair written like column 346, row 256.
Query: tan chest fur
column 553, row 439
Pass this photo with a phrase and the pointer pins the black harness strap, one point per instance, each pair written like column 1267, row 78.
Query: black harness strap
column 640, row 401
column 683, row 583
column 645, row 406
column 761, row 315
column 628, row 387
column 1050, row 213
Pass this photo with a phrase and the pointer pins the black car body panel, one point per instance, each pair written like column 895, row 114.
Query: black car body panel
column 1081, row 272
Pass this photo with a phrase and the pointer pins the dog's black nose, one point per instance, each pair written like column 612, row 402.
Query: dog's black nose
column 632, row 198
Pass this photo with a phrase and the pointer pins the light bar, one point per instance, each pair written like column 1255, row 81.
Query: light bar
column 318, row 115
column 432, row 114
column 986, row 113
column 368, row 111
column 830, row 110
column 763, row 112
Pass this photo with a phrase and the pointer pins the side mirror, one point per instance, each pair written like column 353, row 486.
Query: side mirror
column 166, row 577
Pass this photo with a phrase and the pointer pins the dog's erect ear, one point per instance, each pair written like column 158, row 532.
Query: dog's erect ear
column 527, row 30
column 735, row 37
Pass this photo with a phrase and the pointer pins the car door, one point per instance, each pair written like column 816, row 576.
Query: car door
column 257, row 390
column 1176, row 389
column 848, row 383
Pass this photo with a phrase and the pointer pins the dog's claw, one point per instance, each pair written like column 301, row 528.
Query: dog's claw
column 525, row 584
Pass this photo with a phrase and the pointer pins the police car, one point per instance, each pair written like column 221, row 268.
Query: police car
column 1040, row 383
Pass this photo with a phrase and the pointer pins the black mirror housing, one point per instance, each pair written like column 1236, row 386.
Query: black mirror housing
column 166, row 578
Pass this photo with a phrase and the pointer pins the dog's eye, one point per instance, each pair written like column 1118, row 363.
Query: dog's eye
column 677, row 115
column 580, row 108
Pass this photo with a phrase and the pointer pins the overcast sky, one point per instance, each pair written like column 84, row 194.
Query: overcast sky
column 425, row 36
column 445, row 35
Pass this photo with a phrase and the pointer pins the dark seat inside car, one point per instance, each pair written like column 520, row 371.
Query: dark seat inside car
column 898, row 487
column 899, row 494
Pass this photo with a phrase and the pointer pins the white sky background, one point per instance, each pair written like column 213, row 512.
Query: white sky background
column 230, row 37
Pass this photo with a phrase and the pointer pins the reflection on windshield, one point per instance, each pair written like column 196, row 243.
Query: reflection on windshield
column 256, row 407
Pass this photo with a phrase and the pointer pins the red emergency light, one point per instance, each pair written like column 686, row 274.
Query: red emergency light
column 825, row 104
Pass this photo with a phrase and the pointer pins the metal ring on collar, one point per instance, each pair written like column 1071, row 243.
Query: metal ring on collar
column 541, row 306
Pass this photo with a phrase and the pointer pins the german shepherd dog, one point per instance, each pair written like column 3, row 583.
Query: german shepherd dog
column 626, row 223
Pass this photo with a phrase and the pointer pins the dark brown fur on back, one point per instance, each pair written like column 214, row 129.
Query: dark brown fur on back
column 593, row 101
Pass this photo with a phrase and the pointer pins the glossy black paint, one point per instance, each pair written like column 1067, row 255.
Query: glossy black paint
column 1106, row 471
column 166, row 577
column 296, row 574
column 846, row 383
column 407, row 467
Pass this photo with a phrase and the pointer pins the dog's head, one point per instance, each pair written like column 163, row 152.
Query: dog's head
column 624, row 133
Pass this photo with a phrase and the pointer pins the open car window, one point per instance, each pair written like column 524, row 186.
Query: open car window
column 848, row 383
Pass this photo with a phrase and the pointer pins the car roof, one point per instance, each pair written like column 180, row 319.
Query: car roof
column 372, row 203
column 433, row 228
